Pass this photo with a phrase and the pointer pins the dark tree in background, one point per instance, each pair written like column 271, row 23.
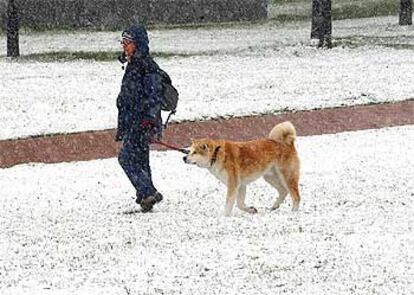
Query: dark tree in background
column 406, row 12
column 12, row 29
column 322, row 22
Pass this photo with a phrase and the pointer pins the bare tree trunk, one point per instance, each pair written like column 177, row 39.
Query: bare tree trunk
column 406, row 12
column 316, row 8
column 322, row 22
column 12, row 29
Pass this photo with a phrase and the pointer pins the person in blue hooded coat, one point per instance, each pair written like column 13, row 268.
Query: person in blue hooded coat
column 139, row 114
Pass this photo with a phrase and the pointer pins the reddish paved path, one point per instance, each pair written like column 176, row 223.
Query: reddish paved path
column 100, row 144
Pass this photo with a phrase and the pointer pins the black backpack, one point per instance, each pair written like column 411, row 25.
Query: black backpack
column 170, row 95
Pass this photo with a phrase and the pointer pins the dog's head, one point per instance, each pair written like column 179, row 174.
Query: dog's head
column 201, row 152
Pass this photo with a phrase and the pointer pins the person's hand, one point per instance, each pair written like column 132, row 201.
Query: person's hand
column 146, row 124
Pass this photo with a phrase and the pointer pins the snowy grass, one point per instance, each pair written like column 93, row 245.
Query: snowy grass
column 210, row 39
column 70, row 228
column 342, row 9
column 235, row 71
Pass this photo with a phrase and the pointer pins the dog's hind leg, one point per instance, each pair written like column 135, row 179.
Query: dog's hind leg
column 291, row 179
column 241, row 200
column 293, row 185
column 274, row 179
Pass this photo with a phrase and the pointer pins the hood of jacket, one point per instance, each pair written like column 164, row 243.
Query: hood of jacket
column 139, row 36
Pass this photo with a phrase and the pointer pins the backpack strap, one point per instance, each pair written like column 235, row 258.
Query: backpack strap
column 168, row 118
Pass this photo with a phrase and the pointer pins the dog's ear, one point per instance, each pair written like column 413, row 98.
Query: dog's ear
column 208, row 146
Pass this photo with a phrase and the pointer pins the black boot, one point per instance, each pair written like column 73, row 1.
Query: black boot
column 147, row 204
column 158, row 197
column 138, row 200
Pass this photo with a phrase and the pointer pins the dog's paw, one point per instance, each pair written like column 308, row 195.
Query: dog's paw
column 273, row 208
column 252, row 210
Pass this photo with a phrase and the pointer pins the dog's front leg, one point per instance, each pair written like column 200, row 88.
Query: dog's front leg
column 232, row 191
column 241, row 196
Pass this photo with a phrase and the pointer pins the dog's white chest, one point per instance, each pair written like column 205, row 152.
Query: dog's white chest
column 220, row 174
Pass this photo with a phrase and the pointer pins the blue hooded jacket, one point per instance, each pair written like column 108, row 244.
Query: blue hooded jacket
column 141, row 91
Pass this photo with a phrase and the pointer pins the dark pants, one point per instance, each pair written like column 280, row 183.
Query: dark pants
column 134, row 159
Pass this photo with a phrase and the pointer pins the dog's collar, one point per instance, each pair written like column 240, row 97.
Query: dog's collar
column 214, row 157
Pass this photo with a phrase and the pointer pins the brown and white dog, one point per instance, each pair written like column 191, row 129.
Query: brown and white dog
column 237, row 164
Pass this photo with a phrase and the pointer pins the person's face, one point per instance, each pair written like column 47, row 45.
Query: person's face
column 129, row 47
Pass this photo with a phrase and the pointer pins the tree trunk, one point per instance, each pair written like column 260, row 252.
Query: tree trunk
column 322, row 22
column 316, row 8
column 12, row 29
column 406, row 12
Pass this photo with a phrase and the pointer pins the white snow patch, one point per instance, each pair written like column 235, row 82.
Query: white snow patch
column 66, row 228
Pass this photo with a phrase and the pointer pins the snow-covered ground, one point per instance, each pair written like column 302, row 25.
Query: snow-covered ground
column 231, row 71
column 70, row 228
column 73, row 228
column 214, row 39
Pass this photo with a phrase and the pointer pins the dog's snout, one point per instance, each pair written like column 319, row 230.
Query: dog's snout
column 185, row 159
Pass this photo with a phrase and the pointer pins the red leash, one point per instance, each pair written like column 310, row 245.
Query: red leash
column 184, row 151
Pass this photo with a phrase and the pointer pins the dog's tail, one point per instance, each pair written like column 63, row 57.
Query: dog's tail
column 284, row 132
